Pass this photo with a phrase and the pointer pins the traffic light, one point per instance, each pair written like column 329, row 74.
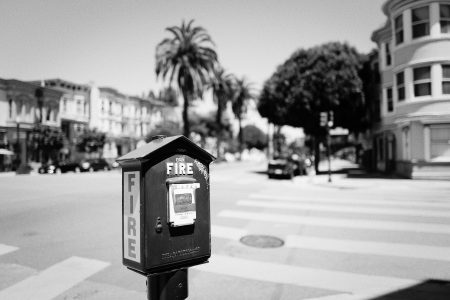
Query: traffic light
column 323, row 119
column 330, row 119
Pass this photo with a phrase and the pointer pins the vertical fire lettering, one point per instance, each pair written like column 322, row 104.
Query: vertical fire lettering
column 131, row 216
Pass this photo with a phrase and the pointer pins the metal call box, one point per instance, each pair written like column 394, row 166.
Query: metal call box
column 165, row 205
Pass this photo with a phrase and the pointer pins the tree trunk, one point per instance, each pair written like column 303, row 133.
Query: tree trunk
column 219, row 127
column 186, row 125
column 241, row 137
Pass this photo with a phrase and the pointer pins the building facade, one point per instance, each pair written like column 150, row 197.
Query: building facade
column 126, row 120
column 74, row 108
column 412, row 138
column 23, row 106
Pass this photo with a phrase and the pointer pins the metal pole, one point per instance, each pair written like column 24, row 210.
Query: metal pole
column 172, row 285
column 328, row 147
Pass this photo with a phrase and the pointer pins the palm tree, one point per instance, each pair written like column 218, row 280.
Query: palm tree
column 188, row 58
column 222, row 84
column 243, row 93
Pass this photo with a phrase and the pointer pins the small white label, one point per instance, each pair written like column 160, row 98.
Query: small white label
column 182, row 210
column 131, row 216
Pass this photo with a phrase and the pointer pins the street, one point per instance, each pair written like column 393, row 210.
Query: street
column 354, row 238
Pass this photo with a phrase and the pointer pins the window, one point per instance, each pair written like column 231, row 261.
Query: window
column 388, row 54
column 446, row 79
column 398, row 30
column 390, row 100
column 79, row 107
column 10, row 108
column 49, row 112
column 440, row 142
column 422, row 81
column 420, row 22
column 64, row 108
column 444, row 12
column 400, row 78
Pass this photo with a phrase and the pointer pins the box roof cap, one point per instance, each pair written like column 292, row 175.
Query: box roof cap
column 159, row 142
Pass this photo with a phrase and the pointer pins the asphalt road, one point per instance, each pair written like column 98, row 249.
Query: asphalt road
column 60, row 238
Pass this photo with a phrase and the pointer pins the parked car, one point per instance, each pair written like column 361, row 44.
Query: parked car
column 96, row 164
column 88, row 165
column 281, row 167
column 64, row 166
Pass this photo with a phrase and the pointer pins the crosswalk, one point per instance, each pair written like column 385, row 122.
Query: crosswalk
column 269, row 213
column 389, row 217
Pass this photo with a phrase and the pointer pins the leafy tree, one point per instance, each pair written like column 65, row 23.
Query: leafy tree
column 187, row 58
column 254, row 137
column 322, row 78
column 222, row 84
column 169, row 96
column 46, row 142
column 167, row 128
column 243, row 94
column 91, row 141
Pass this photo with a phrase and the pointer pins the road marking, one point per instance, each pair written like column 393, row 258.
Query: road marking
column 54, row 280
column 359, row 201
column 347, row 209
column 285, row 274
column 227, row 232
column 338, row 222
column 4, row 249
column 365, row 247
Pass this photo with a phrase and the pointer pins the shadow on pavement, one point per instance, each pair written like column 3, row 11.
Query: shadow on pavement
column 431, row 289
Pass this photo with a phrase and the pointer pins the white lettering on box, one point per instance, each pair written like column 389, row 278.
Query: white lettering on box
column 179, row 168
column 131, row 216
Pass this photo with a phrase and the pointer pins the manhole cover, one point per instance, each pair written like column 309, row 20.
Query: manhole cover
column 262, row 241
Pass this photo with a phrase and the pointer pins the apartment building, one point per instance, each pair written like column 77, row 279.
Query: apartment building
column 74, row 108
column 126, row 120
column 22, row 106
column 413, row 136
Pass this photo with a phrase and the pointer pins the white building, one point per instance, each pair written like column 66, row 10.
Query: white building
column 413, row 137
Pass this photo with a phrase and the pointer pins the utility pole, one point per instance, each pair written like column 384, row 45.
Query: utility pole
column 326, row 120
column 330, row 120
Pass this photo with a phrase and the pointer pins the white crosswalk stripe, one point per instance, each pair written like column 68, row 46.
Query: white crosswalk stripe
column 338, row 222
column 300, row 276
column 366, row 247
column 346, row 246
column 347, row 209
column 346, row 201
column 4, row 249
column 53, row 281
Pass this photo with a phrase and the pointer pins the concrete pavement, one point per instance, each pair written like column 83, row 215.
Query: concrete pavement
column 349, row 239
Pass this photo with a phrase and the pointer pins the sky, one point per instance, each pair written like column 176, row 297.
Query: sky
column 112, row 43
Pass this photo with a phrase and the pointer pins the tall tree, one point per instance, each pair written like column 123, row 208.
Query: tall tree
column 222, row 84
column 322, row 78
column 243, row 94
column 187, row 58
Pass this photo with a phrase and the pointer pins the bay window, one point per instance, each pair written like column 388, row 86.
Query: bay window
column 422, row 81
column 400, row 81
column 390, row 100
column 444, row 14
column 446, row 79
column 420, row 22
column 398, row 24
